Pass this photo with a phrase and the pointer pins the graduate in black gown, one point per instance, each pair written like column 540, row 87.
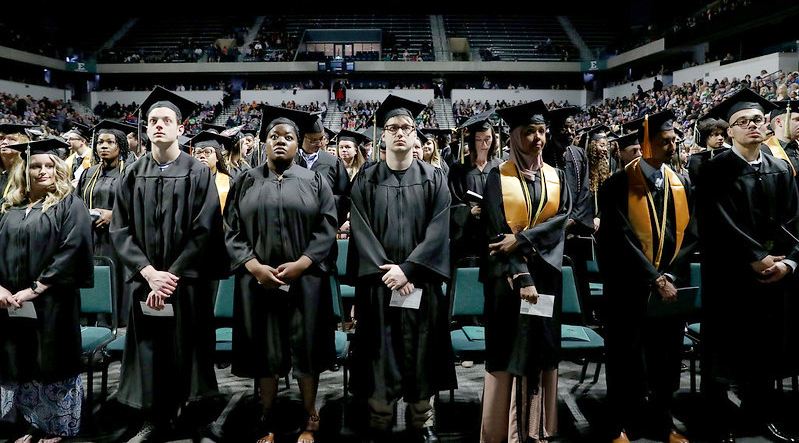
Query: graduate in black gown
column 643, row 254
column 562, row 154
column 748, row 224
column 399, row 243
column 525, row 208
column 10, row 134
column 167, row 229
column 332, row 168
column 784, row 120
column 600, row 165
column 711, row 135
column 280, row 229
column 97, row 188
column 46, row 257
column 467, row 180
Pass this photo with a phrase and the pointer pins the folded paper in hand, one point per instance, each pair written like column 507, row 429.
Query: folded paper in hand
column 685, row 303
column 410, row 301
column 168, row 310
column 25, row 310
column 543, row 308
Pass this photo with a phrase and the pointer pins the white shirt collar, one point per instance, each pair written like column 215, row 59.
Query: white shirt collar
column 753, row 163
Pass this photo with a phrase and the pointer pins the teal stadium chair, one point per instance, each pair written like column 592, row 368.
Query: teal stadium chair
column 95, row 301
column 467, row 299
column 579, row 342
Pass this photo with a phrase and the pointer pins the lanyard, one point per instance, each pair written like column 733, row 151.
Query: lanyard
column 528, row 201
column 659, row 226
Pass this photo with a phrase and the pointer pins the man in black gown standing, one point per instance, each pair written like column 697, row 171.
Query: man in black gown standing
column 748, row 225
column 400, row 245
column 167, row 230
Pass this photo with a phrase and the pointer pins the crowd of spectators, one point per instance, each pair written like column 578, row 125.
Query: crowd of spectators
column 54, row 116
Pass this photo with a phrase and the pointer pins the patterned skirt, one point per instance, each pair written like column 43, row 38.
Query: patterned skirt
column 52, row 408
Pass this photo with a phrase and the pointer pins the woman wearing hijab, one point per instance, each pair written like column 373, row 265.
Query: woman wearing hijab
column 46, row 258
column 525, row 206
column 97, row 188
column 280, row 226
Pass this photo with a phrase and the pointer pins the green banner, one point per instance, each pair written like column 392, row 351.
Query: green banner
column 593, row 65
column 81, row 67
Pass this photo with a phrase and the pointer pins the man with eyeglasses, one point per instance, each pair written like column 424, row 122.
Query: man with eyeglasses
column 785, row 123
column 313, row 156
column 748, row 209
column 81, row 157
column 399, row 258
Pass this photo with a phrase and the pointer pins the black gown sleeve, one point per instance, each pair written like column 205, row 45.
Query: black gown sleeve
column 122, row 231
column 323, row 236
column 71, row 265
column 205, row 232
column 239, row 249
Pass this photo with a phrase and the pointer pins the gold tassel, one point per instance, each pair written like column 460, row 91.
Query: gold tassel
column 788, row 122
column 461, row 143
column 646, row 148
column 28, row 168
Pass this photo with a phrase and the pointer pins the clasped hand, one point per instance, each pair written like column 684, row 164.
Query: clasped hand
column 507, row 245
column 396, row 280
column 9, row 300
column 771, row 266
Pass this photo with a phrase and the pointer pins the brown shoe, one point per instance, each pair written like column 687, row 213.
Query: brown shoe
column 622, row 438
column 676, row 437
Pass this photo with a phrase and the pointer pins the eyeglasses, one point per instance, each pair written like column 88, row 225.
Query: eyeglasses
column 199, row 152
column 744, row 121
column 319, row 141
column 406, row 129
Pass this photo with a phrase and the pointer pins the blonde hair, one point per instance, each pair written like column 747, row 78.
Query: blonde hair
column 61, row 187
column 19, row 139
column 435, row 157
column 357, row 161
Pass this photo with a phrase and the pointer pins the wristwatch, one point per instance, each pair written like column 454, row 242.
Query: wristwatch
column 36, row 289
column 660, row 282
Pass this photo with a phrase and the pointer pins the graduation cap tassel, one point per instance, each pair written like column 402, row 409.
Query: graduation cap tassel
column 696, row 126
column 460, row 141
column 27, row 168
column 375, row 145
column 788, row 122
column 646, row 149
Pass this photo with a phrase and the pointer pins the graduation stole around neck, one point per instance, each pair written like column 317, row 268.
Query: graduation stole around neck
column 517, row 200
column 222, row 182
column 641, row 210
column 777, row 151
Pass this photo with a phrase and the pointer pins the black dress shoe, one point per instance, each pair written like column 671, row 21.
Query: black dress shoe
column 779, row 435
column 429, row 435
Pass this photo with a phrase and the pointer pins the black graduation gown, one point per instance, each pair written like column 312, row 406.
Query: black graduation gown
column 101, row 194
column 171, row 220
column 644, row 352
column 277, row 221
column 4, row 175
column 467, row 232
column 516, row 343
column 749, row 328
column 400, row 352
column 574, row 164
column 332, row 168
column 55, row 248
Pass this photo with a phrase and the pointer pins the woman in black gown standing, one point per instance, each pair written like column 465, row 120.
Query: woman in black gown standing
column 97, row 188
column 280, row 225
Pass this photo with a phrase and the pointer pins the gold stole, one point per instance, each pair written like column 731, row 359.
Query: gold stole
column 222, row 187
column 777, row 151
column 641, row 210
column 517, row 201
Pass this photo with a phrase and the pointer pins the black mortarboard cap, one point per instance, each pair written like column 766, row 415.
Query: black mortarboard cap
column 126, row 128
column 782, row 107
column 628, row 140
column 249, row 131
column 303, row 121
column 661, row 121
column 80, row 129
column 421, row 136
column 218, row 128
column 585, row 129
column 394, row 105
column 479, row 122
column 355, row 137
column 556, row 117
column 46, row 146
column 331, row 134
column 11, row 128
column 166, row 98
column 208, row 138
column 368, row 133
column 743, row 99
column 534, row 112
column 598, row 132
